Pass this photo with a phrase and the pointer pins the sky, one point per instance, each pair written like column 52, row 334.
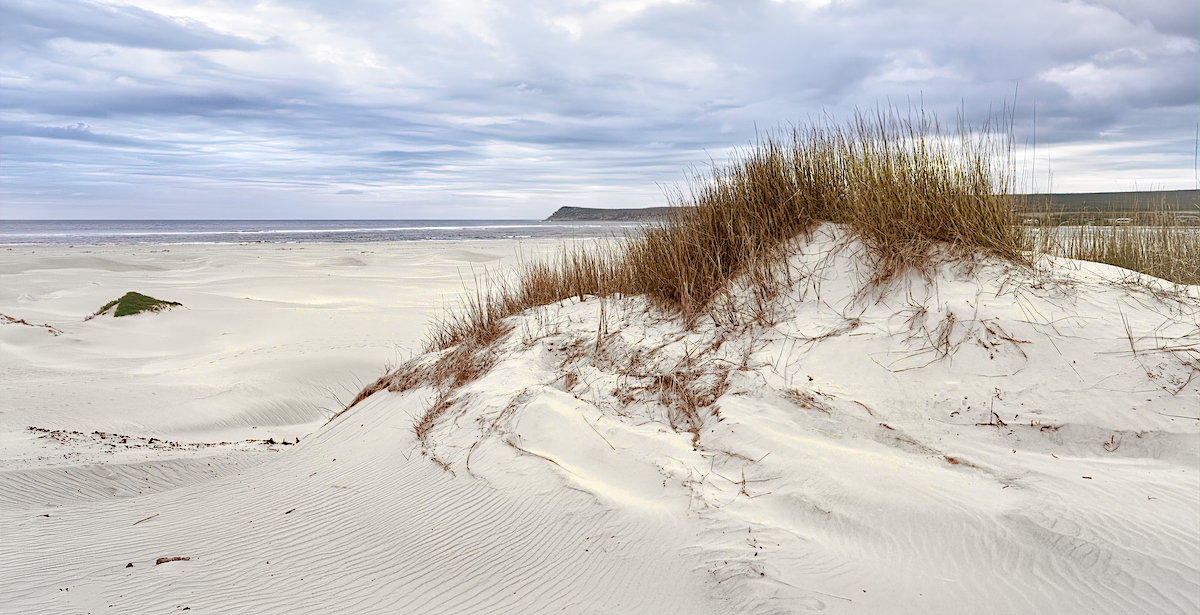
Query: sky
column 468, row 109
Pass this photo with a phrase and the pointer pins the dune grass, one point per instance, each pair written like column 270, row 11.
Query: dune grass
column 1166, row 250
column 900, row 183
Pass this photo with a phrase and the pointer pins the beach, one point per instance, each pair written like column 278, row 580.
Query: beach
column 180, row 419
column 857, row 456
column 270, row 337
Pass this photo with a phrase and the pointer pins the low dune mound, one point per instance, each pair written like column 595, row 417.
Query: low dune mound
column 77, row 261
column 468, row 256
column 9, row 320
column 133, row 303
column 344, row 261
column 976, row 436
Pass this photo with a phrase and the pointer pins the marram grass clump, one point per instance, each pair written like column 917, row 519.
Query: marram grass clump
column 899, row 184
column 134, row 303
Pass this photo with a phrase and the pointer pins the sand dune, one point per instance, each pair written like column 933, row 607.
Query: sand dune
column 344, row 522
column 987, row 440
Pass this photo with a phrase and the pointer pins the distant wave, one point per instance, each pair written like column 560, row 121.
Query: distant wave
column 114, row 232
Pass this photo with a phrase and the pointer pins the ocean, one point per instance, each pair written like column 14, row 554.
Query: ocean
column 176, row 232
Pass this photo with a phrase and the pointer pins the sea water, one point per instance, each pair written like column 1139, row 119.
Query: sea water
column 174, row 232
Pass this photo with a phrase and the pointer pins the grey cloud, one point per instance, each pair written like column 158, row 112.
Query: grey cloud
column 32, row 21
column 425, row 158
column 78, row 132
column 1180, row 18
column 107, row 103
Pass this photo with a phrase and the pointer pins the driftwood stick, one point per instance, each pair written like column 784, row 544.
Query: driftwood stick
column 147, row 518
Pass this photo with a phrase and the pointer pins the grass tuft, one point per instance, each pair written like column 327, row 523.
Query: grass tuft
column 134, row 303
column 899, row 183
column 1166, row 251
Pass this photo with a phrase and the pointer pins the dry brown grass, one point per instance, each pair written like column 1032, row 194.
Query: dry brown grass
column 1164, row 251
column 9, row 320
column 901, row 184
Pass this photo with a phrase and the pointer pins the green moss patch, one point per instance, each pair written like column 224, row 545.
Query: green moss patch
column 135, row 303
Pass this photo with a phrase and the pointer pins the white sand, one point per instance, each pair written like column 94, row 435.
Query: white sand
column 843, row 470
column 270, row 336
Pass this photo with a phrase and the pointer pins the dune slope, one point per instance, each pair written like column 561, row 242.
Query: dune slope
column 344, row 522
column 984, row 438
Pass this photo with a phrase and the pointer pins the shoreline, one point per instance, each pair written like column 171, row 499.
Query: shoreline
column 243, row 232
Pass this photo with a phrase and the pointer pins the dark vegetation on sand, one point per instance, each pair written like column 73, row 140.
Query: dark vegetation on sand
column 134, row 303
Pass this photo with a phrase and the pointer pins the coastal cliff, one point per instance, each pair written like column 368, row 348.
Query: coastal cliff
column 1061, row 207
column 578, row 214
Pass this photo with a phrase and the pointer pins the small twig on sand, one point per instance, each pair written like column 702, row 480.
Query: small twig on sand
column 147, row 518
column 589, row 424
column 509, row 442
column 1178, row 416
column 1128, row 330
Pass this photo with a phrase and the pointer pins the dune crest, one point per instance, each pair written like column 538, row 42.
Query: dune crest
column 983, row 438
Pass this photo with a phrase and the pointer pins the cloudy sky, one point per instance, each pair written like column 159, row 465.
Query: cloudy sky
column 494, row 109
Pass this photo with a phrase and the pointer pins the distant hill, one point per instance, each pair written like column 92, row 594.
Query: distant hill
column 1109, row 202
column 1054, row 204
column 588, row 214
